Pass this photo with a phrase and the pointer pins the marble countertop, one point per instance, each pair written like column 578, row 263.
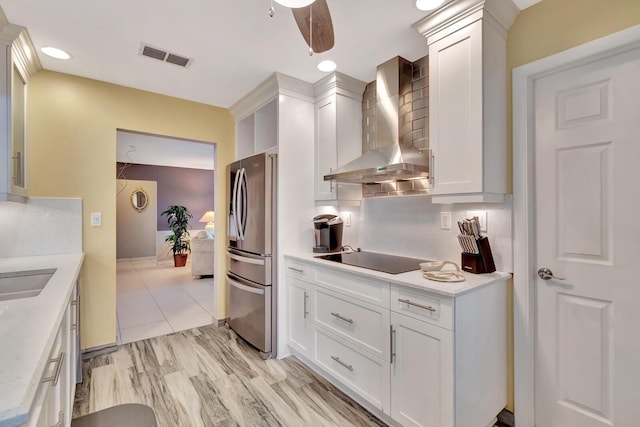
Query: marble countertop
column 27, row 332
column 412, row 279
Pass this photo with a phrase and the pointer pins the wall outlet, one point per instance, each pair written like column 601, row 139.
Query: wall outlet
column 445, row 220
column 96, row 219
column 346, row 217
column 482, row 217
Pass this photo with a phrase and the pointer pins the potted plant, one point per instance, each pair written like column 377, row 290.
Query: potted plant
column 178, row 218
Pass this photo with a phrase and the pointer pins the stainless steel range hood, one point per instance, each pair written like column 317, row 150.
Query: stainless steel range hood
column 391, row 160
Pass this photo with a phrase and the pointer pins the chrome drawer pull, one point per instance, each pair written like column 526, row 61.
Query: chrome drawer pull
column 297, row 270
column 342, row 318
column 392, row 344
column 56, row 376
column 426, row 307
column 337, row 359
column 305, row 304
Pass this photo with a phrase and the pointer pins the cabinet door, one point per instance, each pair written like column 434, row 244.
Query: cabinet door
column 456, row 111
column 326, row 155
column 300, row 316
column 421, row 373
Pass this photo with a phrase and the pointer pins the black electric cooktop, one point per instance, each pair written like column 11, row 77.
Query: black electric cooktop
column 391, row 264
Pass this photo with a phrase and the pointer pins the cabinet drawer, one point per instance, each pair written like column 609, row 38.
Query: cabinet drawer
column 425, row 306
column 368, row 376
column 298, row 269
column 372, row 291
column 365, row 325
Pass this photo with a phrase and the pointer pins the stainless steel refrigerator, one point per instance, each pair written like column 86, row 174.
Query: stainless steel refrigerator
column 251, row 254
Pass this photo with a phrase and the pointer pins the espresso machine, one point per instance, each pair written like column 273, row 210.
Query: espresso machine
column 328, row 233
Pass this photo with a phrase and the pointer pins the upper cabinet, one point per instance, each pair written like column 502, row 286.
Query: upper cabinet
column 468, row 99
column 18, row 62
column 338, row 134
column 258, row 131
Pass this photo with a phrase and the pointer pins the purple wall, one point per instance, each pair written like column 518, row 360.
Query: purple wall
column 193, row 188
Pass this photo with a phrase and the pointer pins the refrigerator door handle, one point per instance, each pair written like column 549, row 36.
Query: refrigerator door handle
column 245, row 198
column 245, row 287
column 245, row 259
column 234, row 202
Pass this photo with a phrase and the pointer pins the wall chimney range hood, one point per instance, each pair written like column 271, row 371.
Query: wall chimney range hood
column 391, row 160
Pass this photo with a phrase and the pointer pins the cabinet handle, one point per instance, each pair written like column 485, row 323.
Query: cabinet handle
column 337, row 359
column 432, row 166
column 297, row 270
column 415, row 304
column 392, row 343
column 305, row 304
column 18, row 169
column 342, row 318
column 74, row 325
column 60, row 422
column 56, row 376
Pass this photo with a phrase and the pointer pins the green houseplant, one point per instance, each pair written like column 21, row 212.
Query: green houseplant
column 178, row 218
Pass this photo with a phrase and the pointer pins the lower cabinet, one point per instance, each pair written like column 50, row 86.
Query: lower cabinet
column 53, row 404
column 416, row 357
column 421, row 373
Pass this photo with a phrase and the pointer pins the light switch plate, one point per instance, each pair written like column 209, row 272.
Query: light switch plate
column 445, row 220
column 347, row 219
column 482, row 217
column 96, row 219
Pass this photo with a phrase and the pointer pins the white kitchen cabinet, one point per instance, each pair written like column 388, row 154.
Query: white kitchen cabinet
column 338, row 134
column 18, row 62
column 258, row 132
column 409, row 355
column 468, row 102
column 300, row 317
column 421, row 373
column 53, row 404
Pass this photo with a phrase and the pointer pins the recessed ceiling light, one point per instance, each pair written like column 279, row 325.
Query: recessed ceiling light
column 428, row 4
column 327, row 66
column 54, row 52
column 295, row 3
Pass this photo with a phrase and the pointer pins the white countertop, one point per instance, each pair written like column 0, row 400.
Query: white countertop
column 27, row 332
column 412, row 279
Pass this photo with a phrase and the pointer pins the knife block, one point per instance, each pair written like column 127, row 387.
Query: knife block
column 481, row 262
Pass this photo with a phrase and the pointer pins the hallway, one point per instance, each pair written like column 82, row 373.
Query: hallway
column 154, row 300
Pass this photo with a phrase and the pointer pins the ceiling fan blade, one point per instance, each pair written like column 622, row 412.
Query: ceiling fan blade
column 322, row 25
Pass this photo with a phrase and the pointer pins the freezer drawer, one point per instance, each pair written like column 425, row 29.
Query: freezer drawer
column 250, row 312
column 252, row 267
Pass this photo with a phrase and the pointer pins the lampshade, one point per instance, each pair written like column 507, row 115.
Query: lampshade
column 209, row 218
column 295, row 3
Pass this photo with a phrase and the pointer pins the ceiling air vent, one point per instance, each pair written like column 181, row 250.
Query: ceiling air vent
column 163, row 55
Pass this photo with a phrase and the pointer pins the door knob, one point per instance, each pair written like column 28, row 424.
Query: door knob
column 545, row 274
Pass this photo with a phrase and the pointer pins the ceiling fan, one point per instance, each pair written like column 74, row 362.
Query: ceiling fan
column 314, row 22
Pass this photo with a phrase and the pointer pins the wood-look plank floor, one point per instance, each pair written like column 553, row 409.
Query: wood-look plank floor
column 209, row 377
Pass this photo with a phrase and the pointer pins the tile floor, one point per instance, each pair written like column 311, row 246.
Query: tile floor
column 156, row 299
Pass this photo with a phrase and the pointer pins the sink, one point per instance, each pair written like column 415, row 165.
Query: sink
column 24, row 284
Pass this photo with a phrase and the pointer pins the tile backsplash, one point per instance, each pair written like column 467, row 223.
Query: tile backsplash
column 42, row 226
column 410, row 226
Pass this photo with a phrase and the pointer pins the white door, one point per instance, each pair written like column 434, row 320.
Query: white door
column 300, row 326
column 587, row 148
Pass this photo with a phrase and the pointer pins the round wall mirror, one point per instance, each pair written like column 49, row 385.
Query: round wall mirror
column 139, row 199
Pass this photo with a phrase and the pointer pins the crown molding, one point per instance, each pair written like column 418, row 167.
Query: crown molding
column 504, row 12
column 338, row 83
column 273, row 86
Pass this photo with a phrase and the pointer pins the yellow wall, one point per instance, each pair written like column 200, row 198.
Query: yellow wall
column 72, row 149
column 552, row 26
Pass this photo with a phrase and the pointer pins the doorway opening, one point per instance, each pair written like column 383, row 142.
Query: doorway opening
column 153, row 297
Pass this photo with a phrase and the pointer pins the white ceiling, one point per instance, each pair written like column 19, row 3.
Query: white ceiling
column 145, row 149
column 234, row 44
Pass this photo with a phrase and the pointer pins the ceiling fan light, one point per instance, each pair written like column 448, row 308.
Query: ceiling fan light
column 327, row 66
column 428, row 4
column 54, row 52
column 294, row 3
